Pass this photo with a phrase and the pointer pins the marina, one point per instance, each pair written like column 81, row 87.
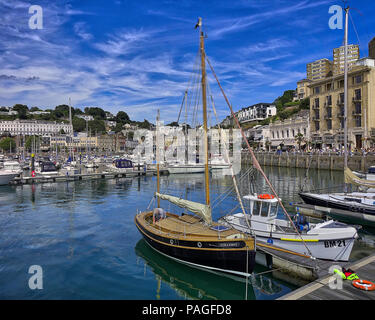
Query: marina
column 94, row 243
column 155, row 170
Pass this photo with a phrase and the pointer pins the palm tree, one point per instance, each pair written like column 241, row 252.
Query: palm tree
column 299, row 139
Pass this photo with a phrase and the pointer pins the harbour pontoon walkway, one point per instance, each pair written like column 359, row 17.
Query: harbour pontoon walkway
column 320, row 289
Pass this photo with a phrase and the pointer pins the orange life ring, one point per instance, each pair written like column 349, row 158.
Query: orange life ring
column 266, row 196
column 364, row 284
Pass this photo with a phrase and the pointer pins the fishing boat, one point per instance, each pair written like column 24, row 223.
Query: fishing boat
column 329, row 240
column 361, row 202
column 193, row 238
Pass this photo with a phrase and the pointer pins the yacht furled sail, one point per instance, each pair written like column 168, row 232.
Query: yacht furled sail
column 195, row 239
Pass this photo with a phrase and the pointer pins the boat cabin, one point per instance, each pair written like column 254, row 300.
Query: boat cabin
column 371, row 170
column 263, row 210
column 48, row 166
column 123, row 163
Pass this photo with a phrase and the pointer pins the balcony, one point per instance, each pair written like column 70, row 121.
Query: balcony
column 340, row 115
column 340, row 102
column 357, row 112
column 357, row 99
column 315, row 107
column 328, row 117
column 316, row 118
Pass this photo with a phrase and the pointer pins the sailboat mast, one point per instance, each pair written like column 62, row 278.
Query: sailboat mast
column 204, row 101
column 346, row 89
column 157, row 157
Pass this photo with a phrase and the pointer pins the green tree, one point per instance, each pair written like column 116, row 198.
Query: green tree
column 97, row 126
column 8, row 144
column 305, row 104
column 97, row 113
column 62, row 111
column 122, row 117
column 79, row 124
column 22, row 110
column 29, row 142
column 34, row 109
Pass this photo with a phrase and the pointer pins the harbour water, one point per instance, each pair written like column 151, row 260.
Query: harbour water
column 83, row 236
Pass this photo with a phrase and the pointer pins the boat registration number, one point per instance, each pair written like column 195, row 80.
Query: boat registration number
column 334, row 243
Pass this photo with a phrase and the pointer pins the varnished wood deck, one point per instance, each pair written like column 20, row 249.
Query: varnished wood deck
column 192, row 228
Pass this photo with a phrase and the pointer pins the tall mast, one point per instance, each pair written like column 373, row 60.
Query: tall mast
column 157, row 157
column 204, row 101
column 346, row 89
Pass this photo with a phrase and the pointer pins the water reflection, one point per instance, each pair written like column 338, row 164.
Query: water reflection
column 192, row 283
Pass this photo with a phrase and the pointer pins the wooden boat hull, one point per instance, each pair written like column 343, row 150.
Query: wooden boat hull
column 228, row 256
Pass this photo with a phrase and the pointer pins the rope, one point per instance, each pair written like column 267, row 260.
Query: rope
column 255, row 161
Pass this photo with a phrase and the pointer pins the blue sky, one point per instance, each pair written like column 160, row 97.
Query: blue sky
column 138, row 56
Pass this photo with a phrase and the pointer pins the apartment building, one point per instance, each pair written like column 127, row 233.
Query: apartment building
column 256, row 112
column 339, row 58
column 318, row 69
column 303, row 90
column 371, row 48
column 327, row 109
column 34, row 127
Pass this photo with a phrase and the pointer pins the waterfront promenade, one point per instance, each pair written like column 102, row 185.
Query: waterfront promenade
column 312, row 161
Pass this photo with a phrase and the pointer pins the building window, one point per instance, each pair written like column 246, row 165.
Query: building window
column 329, row 124
column 329, row 100
column 358, row 121
column 317, row 127
column 358, row 108
column 357, row 94
column 317, row 90
column 357, row 79
column 317, row 102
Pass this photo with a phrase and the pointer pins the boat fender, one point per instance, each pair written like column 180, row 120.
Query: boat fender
column 33, row 173
column 364, row 285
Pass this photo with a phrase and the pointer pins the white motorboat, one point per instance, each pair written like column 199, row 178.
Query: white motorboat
column 13, row 166
column 330, row 240
column 178, row 167
column 6, row 176
column 219, row 163
column 121, row 166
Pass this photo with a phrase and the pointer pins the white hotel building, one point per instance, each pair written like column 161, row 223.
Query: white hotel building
column 256, row 112
column 34, row 127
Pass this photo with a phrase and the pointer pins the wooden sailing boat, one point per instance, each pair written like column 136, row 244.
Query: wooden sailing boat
column 195, row 239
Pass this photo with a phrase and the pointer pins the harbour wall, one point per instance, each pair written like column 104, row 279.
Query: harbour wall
column 316, row 161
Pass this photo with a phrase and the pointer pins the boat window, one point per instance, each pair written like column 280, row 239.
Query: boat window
column 371, row 170
column 264, row 210
column 274, row 207
column 256, row 208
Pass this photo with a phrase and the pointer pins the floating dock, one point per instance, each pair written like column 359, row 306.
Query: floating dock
column 292, row 264
column 83, row 176
column 325, row 288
